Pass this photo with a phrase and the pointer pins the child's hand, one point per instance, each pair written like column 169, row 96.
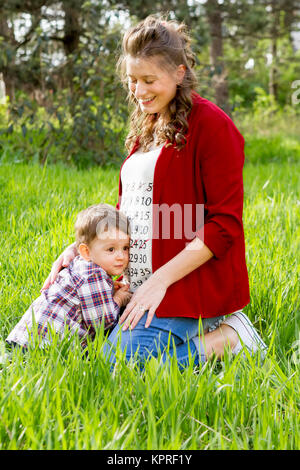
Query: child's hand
column 122, row 296
column 118, row 284
column 121, row 281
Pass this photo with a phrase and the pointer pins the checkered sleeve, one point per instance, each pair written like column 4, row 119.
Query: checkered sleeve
column 97, row 303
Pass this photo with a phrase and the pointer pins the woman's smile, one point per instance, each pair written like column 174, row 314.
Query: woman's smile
column 147, row 102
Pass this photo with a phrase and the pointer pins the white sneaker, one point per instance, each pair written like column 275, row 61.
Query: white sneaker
column 247, row 334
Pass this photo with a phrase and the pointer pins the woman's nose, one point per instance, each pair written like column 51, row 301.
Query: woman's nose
column 140, row 90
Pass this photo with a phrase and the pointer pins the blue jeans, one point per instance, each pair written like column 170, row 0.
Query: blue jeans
column 164, row 336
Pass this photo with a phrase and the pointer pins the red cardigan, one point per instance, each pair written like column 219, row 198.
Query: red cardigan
column 209, row 171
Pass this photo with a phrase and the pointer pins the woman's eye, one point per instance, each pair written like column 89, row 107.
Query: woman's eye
column 134, row 82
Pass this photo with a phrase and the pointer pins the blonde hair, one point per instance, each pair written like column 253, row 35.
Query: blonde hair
column 170, row 43
column 97, row 219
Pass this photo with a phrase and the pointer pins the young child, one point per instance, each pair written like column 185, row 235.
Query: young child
column 82, row 296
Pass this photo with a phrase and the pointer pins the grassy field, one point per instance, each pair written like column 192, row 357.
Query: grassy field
column 57, row 400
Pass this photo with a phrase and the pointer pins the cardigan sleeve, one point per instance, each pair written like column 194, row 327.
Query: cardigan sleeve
column 221, row 168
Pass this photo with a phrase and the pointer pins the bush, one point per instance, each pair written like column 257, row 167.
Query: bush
column 277, row 148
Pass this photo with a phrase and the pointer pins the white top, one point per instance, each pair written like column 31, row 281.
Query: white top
column 137, row 194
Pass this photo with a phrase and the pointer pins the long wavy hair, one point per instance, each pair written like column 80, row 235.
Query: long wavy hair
column 169, row 42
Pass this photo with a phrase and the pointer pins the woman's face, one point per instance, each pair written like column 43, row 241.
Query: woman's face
column 152, row 86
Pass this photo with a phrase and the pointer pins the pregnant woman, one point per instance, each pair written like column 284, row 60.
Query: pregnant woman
column 182, row 189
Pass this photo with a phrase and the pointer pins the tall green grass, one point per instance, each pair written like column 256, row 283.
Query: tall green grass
column 57, row 399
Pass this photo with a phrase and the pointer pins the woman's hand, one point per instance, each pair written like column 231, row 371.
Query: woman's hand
column 147, row 297
column 62, row 262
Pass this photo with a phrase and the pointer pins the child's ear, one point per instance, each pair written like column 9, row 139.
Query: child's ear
column 84, row 251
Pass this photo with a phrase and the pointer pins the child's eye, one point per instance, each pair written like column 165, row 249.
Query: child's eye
column 126, row 248
column 111, row 249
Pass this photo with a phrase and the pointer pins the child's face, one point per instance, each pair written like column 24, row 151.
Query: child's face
column 110, row 250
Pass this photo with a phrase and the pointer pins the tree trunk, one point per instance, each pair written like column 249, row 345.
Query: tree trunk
column 273, row 74
column 72, row 28
column 273, row 85
column 219, row 79
column 290, row 7
column 7, row 70
column 71, row 40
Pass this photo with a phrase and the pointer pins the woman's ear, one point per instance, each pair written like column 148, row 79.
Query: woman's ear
column 84, row 251
column 180, row 73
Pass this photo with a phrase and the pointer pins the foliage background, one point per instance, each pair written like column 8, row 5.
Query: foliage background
column 66, row 103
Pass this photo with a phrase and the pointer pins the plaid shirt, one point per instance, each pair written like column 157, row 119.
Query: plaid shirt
column 79, row 301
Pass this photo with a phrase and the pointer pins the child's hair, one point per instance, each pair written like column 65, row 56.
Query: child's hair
column 170, row 43
column 97, row 219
